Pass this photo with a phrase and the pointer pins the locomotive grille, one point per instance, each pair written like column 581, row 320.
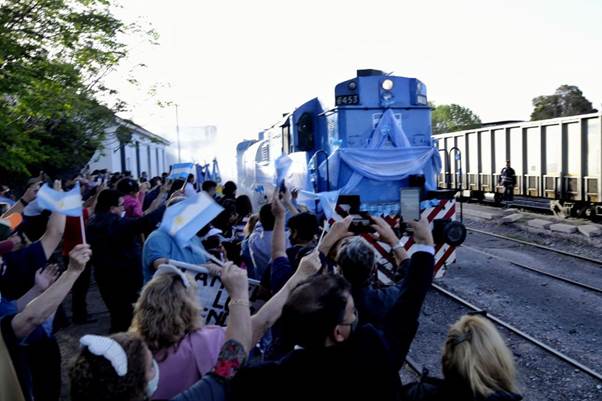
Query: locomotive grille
column 550, row 183
column 265, row 152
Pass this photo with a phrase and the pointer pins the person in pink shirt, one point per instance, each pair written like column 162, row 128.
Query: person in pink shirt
column 167, row 316
column 133, row 197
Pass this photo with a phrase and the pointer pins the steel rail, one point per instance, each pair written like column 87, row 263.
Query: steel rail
column 520, row 333
column 596, row 262
column 536, row 270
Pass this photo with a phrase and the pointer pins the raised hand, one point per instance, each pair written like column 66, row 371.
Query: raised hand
column 31, row 192
column 46, row 276
column 384, row 230
column 277, row 207
column 338, row 231
column 422, row 231
column 309, row 264
column 235, row 280
column 78, row 257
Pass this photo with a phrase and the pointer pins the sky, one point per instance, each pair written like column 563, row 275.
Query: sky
column 239, row 65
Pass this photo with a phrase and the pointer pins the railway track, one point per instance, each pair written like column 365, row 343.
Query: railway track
column 595, row 262
column 538, row 271
column 413, row 365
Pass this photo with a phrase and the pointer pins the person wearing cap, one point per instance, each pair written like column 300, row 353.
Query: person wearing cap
column 508, row 181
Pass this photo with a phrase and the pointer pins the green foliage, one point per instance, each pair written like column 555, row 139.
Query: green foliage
column 568, row 100
column 53, row 56
column 453, row 117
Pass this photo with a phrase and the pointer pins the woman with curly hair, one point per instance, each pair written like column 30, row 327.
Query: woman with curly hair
column 168, row 317
column 477, row 366
column 122, row 368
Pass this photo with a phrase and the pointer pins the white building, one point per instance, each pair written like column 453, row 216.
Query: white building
column 146, row 152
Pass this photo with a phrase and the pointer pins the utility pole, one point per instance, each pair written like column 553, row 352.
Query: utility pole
column 178, row 133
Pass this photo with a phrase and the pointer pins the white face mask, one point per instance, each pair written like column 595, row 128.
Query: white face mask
column 153, row 383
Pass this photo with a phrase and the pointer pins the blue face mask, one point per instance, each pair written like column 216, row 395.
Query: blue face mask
column 153, row 383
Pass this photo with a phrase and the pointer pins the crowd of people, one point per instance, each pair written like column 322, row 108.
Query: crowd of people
column 320, row 325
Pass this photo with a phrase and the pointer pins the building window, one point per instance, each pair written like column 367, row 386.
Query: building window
column 158, row 165
column 148, row 160
column 138, row 159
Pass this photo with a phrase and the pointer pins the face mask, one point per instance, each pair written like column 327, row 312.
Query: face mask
column 153, row 383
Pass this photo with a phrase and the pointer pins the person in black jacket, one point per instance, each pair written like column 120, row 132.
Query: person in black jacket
column 339, row 358
column 117, row 249
column 477, row 366
column 508, row 180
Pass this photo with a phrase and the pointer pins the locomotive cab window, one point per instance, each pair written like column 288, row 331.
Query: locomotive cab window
column 305, row 130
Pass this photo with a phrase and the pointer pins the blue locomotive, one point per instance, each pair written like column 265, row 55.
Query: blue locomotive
column 373, row 142
column 376, row 139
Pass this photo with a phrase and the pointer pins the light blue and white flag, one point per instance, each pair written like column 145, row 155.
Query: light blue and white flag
column 282, row 164
column 184, row 219
column 67, row 203
column 328, row 201
column 181, row 171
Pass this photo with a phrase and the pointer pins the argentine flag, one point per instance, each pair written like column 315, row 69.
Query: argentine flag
column 67, row 203
column 281, row 165
column 181, row 171
column 184, row 219
column 328, row 201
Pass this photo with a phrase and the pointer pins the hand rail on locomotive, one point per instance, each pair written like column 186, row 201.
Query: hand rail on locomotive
column 457, row 172
column 317, row 167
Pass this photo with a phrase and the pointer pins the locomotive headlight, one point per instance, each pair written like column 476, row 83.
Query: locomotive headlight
column 387, row 84
column 352, row 85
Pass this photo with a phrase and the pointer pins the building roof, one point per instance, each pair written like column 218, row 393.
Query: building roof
column 141, row 130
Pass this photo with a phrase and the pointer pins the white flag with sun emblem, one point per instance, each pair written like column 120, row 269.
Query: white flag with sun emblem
column 67, row 203
column 184, row 219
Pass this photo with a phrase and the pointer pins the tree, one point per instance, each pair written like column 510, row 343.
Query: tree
column 568, row 100
column 453, row 117
column 53, row 57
